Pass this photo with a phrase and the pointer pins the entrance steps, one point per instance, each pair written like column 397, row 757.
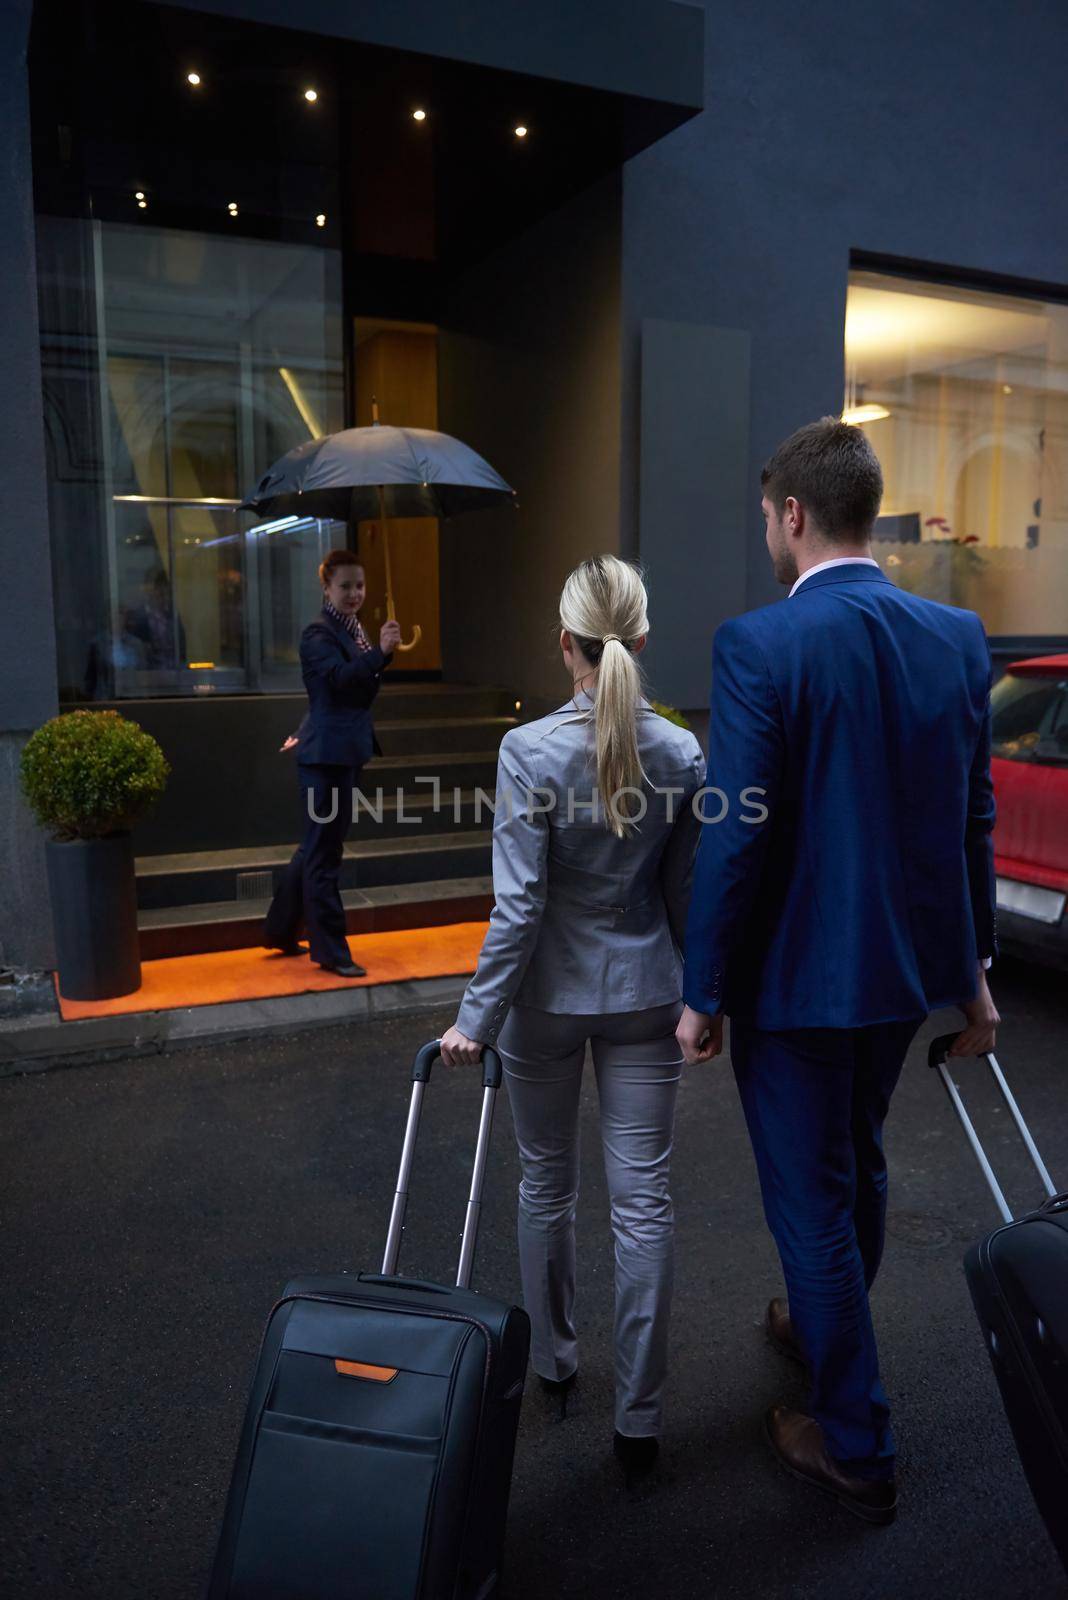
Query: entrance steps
column 412, row 858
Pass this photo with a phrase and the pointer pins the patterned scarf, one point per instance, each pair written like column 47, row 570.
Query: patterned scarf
column 351, row 625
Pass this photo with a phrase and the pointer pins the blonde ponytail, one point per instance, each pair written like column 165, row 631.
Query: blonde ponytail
column 604, row 608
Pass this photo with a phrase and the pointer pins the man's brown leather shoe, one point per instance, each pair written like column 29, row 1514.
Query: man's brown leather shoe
column 798, row 1443
column 780, row 1330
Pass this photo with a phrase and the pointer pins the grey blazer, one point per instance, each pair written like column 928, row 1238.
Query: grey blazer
column 584, row 922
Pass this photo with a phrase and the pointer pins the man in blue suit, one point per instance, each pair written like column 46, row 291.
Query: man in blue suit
column 828, row 930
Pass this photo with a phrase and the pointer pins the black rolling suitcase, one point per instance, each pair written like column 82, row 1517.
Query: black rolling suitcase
column 1018, row 1277
column 375, row 1460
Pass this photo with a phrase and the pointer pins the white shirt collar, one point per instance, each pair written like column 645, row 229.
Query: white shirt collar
column 837, row 561
column 583, row 702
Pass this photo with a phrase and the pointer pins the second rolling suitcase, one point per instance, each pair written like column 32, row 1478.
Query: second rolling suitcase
column 1018, row 1277
column 376, row 1457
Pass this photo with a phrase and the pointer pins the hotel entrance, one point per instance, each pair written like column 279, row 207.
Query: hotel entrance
column 248, row 238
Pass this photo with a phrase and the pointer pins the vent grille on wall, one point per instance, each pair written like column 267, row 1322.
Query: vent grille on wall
column 255, row 885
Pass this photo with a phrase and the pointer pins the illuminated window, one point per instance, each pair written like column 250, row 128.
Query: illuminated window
column 964, row 395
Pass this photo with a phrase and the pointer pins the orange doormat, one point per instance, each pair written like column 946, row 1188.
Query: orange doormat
column 257, row 974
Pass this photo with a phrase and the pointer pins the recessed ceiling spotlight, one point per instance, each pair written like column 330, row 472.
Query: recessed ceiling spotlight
column 142, row 205
column 140, row 195
column 320, row 221
column 521, row 132
column 311, row 95
column 232, row 208
column 419, row 114
column 193, row 78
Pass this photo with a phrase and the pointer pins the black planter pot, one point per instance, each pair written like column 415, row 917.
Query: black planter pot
column 94, row 912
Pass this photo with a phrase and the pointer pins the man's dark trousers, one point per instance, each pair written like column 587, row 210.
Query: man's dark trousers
column 310, row 889
column 815, row 1100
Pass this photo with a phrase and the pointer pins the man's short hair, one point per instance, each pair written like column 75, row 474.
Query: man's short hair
column 832, row 470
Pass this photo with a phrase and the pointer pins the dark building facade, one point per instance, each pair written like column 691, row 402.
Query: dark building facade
column 226, row 234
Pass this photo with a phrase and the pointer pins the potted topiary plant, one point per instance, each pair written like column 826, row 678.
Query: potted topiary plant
column 670, row 713
column 88, row 777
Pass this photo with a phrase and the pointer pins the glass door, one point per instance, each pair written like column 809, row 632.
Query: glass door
column 193, row 363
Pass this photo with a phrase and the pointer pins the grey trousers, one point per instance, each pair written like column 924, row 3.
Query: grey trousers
column 638, row 1066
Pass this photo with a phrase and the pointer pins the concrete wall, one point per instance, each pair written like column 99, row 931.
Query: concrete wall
column 27, row 637
column 529, row 376
column 934, row 133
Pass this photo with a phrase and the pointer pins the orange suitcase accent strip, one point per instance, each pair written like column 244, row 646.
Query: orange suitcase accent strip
column 360, row 1369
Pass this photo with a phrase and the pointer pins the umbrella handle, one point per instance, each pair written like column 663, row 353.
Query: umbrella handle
column 391, row 613
column 417, row 634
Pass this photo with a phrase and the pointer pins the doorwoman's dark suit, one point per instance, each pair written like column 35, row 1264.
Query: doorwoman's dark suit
column 336, row 739
column 830, row 930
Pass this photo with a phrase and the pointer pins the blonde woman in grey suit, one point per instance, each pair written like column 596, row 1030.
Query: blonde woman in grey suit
column 593, row 846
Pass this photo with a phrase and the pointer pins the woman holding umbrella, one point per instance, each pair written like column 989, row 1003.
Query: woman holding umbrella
column 342, row 671
column 356, row 475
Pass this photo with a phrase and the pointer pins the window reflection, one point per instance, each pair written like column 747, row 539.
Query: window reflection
column 1023, row 709
column 964, row 396
column 175, row 371
column 287, row 563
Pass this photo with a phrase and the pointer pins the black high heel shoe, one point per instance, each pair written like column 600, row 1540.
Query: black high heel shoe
column 557, row 1391
column 637, row 1456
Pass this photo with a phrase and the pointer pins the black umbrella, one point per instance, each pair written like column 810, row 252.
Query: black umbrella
column 380, row 472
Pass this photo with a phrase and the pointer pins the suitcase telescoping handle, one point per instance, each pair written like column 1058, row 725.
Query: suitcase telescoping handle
column 491, row 1082
column 936, row 1057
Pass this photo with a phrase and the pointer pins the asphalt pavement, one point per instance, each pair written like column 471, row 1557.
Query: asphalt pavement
column 152, row 1209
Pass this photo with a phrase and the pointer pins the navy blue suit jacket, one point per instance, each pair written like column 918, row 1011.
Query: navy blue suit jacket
column 868, row 893
column 342, row 682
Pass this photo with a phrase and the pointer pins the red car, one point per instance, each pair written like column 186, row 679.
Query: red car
column 1030, row 767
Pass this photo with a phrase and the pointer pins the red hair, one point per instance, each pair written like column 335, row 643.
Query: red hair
column 336, row 559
